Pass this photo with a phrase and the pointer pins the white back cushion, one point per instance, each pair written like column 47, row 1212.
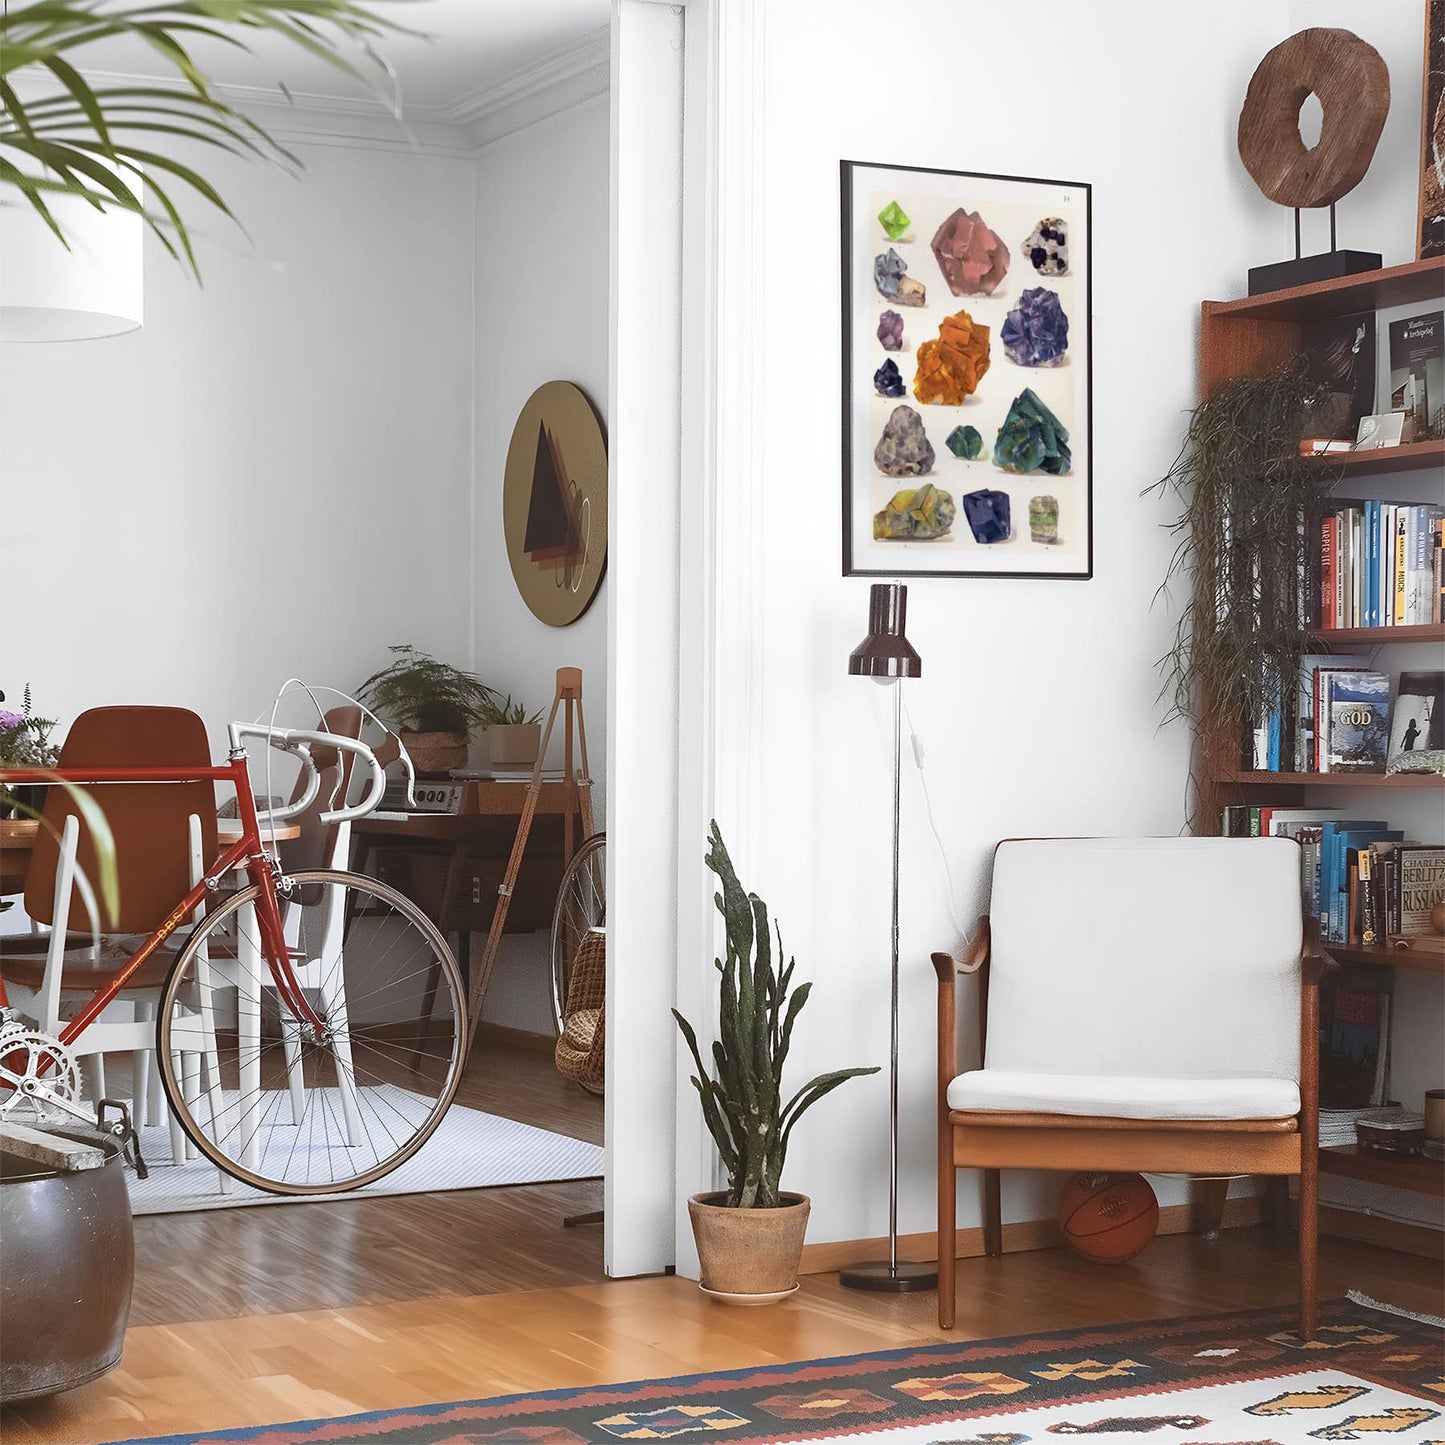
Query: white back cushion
column 1169, row 957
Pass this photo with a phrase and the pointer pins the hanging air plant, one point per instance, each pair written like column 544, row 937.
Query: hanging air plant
column 1243, row 537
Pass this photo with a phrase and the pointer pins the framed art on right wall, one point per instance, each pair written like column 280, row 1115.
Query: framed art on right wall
column 1432, row 137
column 967, row 433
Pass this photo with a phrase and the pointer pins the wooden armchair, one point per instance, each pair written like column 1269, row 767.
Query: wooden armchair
column 1145, row 1004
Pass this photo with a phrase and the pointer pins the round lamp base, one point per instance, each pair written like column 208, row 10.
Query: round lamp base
column 882, row 1278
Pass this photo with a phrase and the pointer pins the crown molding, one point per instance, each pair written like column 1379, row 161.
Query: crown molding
column 561, row 80
column 581, row 60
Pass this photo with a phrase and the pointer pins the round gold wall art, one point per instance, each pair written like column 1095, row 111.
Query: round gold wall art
column 1353, row 86
column 554, row 503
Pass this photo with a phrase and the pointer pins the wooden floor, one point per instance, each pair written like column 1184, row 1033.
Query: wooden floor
column 225, row 1263
column 257, row 1316
column 266, row 1369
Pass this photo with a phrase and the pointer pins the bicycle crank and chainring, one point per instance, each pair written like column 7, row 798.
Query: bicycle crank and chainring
column 38, row 1075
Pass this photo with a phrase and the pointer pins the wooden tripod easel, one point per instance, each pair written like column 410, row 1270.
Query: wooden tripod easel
column 578, row 784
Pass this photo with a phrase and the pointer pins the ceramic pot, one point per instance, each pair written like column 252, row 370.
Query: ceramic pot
column 434, row 755
column 749, row 1256
column 69, row 1263
column 513, row 745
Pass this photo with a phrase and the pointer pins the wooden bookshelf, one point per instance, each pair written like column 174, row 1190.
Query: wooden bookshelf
column 1414, row 1172
column 1365, row 291
column 1253, row 336
column 1377, row 636
column 1408, row 457
column 1248, row 779
column 1421, row 961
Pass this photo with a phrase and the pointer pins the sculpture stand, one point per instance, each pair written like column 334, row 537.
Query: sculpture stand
column 1306, row 270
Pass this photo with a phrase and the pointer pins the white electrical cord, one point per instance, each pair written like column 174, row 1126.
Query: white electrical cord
column 916, row 748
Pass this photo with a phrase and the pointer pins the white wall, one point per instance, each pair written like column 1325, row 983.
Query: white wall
column 302, row 421
column 1037, row 707
column 541, row 275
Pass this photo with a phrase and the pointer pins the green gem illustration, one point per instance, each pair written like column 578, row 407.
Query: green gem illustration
column 895, row 220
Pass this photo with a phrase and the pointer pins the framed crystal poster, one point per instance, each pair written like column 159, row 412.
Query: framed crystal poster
column 966, row 374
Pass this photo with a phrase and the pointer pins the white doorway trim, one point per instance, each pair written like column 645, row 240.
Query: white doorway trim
column 686, row 490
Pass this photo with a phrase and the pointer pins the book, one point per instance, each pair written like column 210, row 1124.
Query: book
column 1417, row 721
column 1397, row 605
column 1419, row 884
column 1356, row 712
column 1339, row 352
column 1336, row 838
column 1311, row 664
column 1417, row 369
column 1355, row 1038
column 1420, row 587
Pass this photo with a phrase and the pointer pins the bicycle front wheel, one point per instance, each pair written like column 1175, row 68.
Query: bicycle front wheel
column 280, row 1104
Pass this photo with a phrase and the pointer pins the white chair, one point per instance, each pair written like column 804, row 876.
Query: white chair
column 161, row 833
column 1144, row 1004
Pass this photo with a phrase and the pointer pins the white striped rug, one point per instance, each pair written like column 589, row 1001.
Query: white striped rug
column 470, row 1150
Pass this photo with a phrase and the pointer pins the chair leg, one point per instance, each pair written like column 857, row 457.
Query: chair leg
column 1206, row 1198
column 947, row 1227
column 1308, row 1245
column 1276, row 1205
column 992, row 1214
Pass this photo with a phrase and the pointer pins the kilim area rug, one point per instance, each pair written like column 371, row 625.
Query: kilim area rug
column 1237, row 1379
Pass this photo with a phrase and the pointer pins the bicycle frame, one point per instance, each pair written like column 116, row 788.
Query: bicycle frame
column 248, row 850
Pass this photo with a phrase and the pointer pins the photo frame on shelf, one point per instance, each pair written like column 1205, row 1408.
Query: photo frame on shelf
column 967, row 374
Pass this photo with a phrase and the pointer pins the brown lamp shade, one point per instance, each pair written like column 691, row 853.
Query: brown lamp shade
column 886, row 652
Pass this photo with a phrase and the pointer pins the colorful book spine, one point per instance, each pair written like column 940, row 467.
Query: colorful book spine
column 1398, row 604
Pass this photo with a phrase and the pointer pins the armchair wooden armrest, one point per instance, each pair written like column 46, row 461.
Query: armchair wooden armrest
column 974, row 957
column 947, row 969
column 1313, row 960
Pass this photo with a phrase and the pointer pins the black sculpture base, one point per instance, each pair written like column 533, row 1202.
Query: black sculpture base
column 882, row 1278
column 1306, row 270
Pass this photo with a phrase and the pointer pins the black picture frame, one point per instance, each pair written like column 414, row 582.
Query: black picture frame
column 862, row 482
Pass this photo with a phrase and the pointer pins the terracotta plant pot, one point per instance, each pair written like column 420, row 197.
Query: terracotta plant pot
column 749, row 1256
column 434, row 755
column 513, row 745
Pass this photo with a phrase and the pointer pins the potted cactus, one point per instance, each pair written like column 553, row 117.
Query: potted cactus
column 750, row 1235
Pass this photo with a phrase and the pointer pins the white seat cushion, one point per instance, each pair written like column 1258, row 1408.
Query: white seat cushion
column 1118, row 1097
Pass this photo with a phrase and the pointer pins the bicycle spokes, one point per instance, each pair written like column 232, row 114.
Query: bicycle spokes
column 327, row 1074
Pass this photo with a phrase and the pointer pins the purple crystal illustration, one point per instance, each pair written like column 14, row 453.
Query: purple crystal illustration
column 890, row 331
column 988, row 515
column 1036, row 331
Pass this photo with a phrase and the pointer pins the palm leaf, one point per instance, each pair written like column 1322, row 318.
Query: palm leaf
column 60, row 143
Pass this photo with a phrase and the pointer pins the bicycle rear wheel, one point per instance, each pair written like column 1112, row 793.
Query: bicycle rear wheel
column 581, row 905
column 280, row 1105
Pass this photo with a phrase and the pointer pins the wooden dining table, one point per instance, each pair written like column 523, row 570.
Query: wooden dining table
column 18, row 835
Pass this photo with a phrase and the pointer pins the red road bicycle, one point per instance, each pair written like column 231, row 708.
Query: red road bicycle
column 311, row 1028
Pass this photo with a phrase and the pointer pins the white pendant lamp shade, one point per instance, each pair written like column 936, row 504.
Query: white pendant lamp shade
column 48, row 293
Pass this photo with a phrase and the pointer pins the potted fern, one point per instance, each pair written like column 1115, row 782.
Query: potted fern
column 434, row 704
column 750, row 1235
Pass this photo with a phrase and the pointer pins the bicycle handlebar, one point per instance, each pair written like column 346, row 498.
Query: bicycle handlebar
column 300, row 741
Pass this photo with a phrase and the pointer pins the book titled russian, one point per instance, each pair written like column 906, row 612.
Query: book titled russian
column 1417, row 369
column 1421, row 883
column 1357, row 709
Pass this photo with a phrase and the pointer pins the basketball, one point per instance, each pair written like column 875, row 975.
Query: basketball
column 1108, row 1217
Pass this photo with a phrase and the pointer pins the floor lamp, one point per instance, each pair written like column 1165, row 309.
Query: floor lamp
column 887, row 657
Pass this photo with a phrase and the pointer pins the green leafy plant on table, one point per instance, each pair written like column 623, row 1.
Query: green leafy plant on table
column 99, row 142
column 423, row 695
